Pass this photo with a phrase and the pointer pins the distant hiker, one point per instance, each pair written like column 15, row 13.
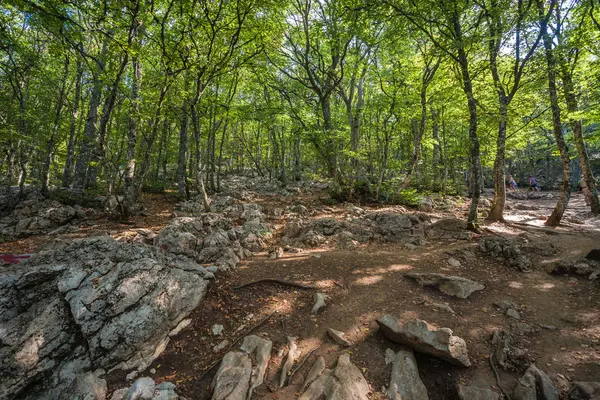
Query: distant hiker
column 512, row 183
column 533, row 183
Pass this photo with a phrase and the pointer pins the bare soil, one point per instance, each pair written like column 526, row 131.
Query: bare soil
column 367, row 282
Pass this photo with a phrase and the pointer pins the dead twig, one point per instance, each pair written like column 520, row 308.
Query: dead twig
column 504, row 392
column 281, row 282
column 246, row 333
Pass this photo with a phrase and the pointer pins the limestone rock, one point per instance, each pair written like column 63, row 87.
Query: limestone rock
column 319, row 302
column 585, row 391
column 232, row 380
column 289, row 360
column 142, row 389
column 535, row 385
column 85, row 387
column 345, row 381
column 315, row 371
column 451, row 285
column 405, row 382
column 476, row 393
column 424, row 338
column 338, row 337
column 508, row 250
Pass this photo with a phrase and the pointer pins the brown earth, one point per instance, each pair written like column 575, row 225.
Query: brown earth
column 367, row 282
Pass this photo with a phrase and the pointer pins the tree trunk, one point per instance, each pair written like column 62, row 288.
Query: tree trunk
column 90, row 132
column 56, row 124
column 183, row 152
column 66, row 181
column 130, row 192
column 565, row 194
column 497, row 210
column 576, row 125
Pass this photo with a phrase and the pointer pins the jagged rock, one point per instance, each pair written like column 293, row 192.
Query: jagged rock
column 275, row 252
column 319, row 302
column 217, row 329
column 585, row 391
column 422, row 337
column 535, row 385
column 405, row 382
column 585, row 267
column 122, row 299
column 476, row 393
column 289, row 360
column 505, row 354
column 453, row 262
column 345, row 241
column 344, row 382
column 511, row 312
column 142, row 389
column 236, row 378
column 221, row 346
column 451, row 285
column 315, row 371
column 85, row 387
column 338, row 337
column 508, row 250
column 449, row 228
column 426, row 204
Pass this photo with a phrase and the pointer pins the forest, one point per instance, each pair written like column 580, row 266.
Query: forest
column 299, row 199
column 382, row 98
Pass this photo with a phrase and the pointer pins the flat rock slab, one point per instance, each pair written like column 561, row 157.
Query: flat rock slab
column 344, row 382
column 405, row 382
column 424, row 338
column 451, row 285
column 585, row 391
column 338, row 337
column 476, row 393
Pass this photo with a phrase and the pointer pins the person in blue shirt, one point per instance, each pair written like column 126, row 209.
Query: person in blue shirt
column 533, row 183
column 512, row 183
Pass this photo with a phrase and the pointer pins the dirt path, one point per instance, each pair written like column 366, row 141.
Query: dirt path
column 367, row 282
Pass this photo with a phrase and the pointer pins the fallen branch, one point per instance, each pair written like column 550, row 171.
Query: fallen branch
column 246, row 333
column 504, row 392
column 281, row 282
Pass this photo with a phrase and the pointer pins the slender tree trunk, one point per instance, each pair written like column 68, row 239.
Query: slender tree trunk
column 66, row 181
column 497, row 210
column 90, row 132
column 55, row 126
column 130, row 192
column 183, row 149
column 565, row 194
column 576, row 125
column 436, row 160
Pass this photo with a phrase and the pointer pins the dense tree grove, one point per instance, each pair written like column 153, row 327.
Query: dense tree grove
column 382, row 97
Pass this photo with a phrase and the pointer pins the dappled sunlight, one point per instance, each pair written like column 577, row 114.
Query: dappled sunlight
column 384, row 270
column 369, row 280
column 544, row 286
column 515, row 285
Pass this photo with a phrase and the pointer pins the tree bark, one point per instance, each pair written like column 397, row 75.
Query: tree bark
column 576, row 125
column 67, row 173
column 130, row 192
column 183, row 150
column 565, row 193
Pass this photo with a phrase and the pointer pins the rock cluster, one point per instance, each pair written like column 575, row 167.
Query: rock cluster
column 456, row 286
column 88, row 304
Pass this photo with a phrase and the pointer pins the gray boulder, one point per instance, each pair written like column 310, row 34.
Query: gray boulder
column 345, row 381
column 424, row 338
column 405, row 382
column 476, row 393
column 85, row 387
column 451, row 285
column 121, row 300
column 507, row 250
column 535, row 385
column 585, row 391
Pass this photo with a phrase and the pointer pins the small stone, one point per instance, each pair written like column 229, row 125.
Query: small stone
column 511, row 312
column 319, row 302
column 338, row 337
column 212, row 269
column 453, row 262
column 217, row 329
column 152, row 371
column 218, row 348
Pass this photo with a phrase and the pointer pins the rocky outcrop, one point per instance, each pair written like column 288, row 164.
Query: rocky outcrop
column 361, row 228
column 424, row 338
column 89, row 304
column 451, row 285
column 476, row 393
column 584, row 268
column 38, row 215
column 345, row 381
column 585, row 391
column 506, row 250
column 449, row 229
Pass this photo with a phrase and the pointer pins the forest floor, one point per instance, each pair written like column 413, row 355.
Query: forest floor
column 367, row 282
